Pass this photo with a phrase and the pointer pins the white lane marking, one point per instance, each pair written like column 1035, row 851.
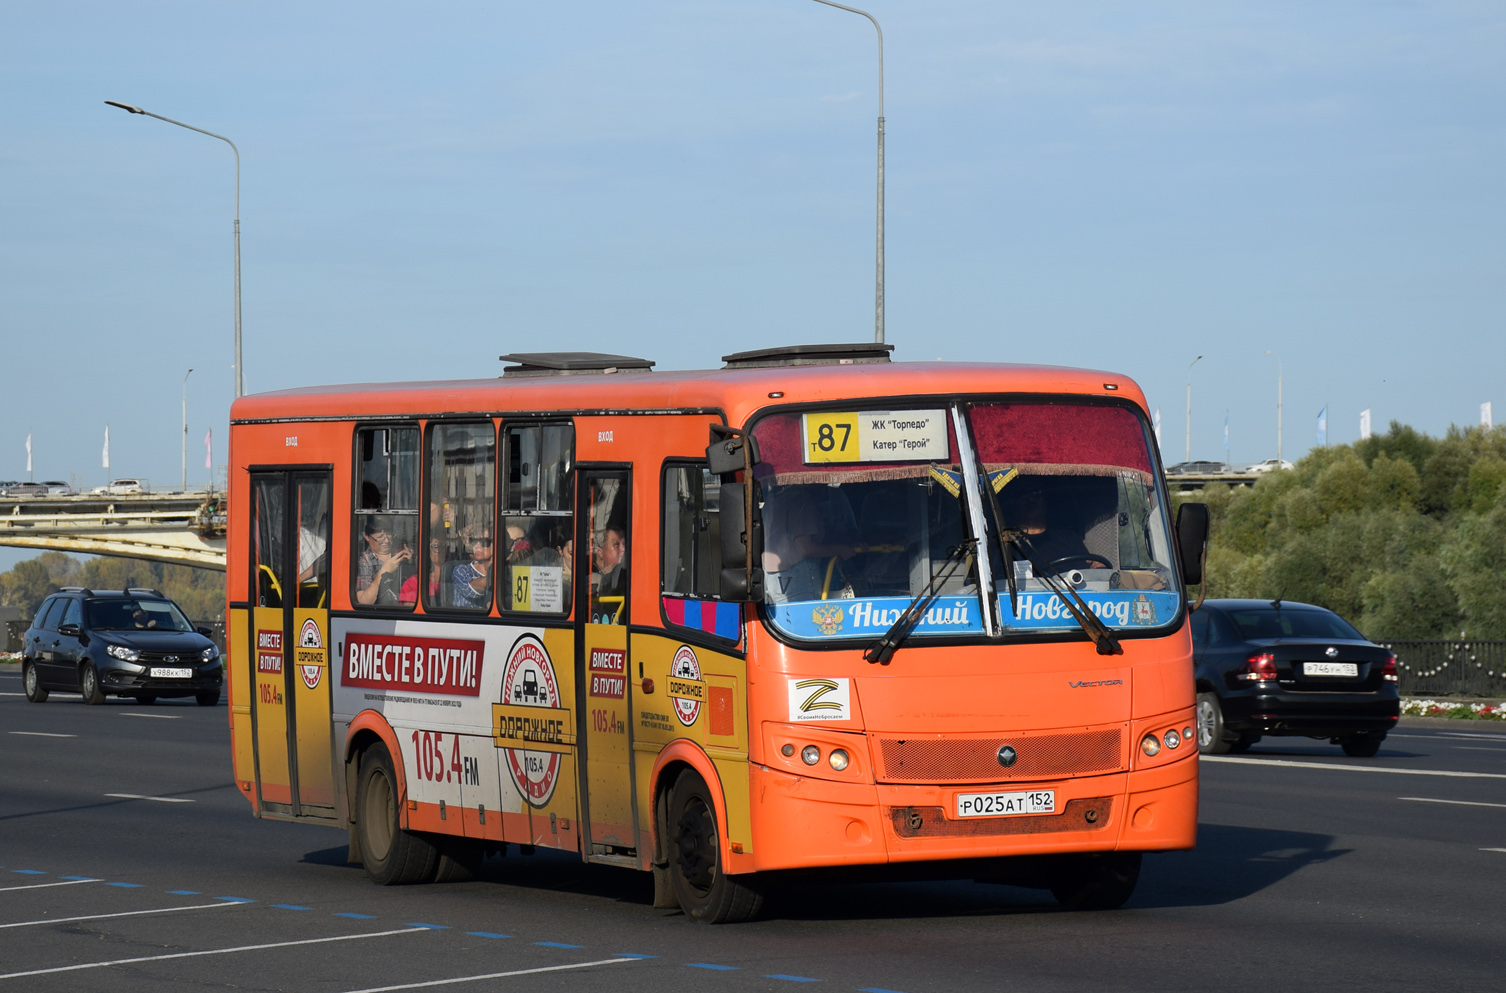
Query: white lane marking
column 44, row 734
column 12, row 694
column 489, row 975
column 126, row 913
column 1452, row 736
column 1477, row 748
column 1493, row 849
column 1459, row 803
column 1355, row 768
column 43, row 886
column 160, row 717
column 210, row 951
column 159, row 799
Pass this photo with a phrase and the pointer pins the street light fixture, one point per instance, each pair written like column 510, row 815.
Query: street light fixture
column 240, row 379
column 1189, row 406
column 185, row 430
column 1278, row 404
column 878, row 291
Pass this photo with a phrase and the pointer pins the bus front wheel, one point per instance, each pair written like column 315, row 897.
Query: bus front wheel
column 706, row 893
column 392, row 856
column 1096, row 882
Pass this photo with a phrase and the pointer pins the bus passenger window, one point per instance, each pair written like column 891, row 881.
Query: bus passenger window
column 459, row 551
column 536, row 540
column 385, row 529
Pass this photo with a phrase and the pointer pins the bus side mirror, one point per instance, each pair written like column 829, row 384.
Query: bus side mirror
column 1192, row 540
column 733, row 452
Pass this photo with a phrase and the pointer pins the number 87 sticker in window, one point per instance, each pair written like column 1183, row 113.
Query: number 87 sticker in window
column 876, row 436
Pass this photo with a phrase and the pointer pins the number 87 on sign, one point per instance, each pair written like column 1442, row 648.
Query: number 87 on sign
column 831, row 437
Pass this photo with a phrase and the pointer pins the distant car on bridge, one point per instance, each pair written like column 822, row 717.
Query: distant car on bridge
column 56, row 487
column 1270, row 465
column 1195, row 468
column 26, row 489
column 122, row 487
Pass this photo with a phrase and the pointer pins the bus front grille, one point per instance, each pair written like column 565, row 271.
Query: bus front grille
column 1037, row 756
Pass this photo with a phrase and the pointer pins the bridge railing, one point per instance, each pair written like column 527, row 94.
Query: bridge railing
column 1450, row 668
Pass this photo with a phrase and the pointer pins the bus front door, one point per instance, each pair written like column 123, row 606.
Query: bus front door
column 290, row 705
column 602, row 667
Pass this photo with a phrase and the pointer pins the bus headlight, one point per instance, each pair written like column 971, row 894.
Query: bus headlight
column 838, row 759
column 810, row 755
column 1150, row 744
column 1172, row 739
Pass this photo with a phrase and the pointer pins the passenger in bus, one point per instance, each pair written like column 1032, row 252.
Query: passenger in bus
column 611, row 552
column 380, row 570
column 436, row 571
column 311, row 548
column 1054, row 542
column 473, row 579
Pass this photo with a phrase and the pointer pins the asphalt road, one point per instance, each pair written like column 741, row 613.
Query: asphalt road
column 128, row 862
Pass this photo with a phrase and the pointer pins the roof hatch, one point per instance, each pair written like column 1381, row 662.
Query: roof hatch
column 847, row 353
column 571, row 364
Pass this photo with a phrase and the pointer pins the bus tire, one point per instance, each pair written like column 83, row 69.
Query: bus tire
column 459, row 858
column 32, row 683
column 1096, row 882
column 706, row 893
column 391, row 855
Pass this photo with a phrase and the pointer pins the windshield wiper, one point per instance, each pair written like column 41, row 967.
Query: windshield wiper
column 1080, row 611
column 1009, row 540
column 882, row 651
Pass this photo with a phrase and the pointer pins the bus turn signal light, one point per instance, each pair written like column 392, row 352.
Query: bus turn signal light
column 1150, row 744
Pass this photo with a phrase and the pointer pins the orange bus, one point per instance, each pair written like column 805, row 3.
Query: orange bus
column 813, row 609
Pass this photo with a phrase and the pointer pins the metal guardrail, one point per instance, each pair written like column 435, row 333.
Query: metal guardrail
column 1450, row 668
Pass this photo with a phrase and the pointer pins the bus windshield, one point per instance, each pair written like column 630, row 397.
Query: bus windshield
column 856, row 523
column 1075, row 485
column 861, row 508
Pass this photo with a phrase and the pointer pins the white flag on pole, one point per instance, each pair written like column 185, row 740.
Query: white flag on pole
column 1364, row 424
column 1485, row 419
column 209, row 449
column 105, row 456
column 28, row 453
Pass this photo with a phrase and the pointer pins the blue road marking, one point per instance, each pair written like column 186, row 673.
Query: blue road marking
column 80, row 878
column 358, row 917
column 431, row 927
column 289, row 906
column 633, row 955
column 708, row 965
column 29, row 872
column 235, row 899
column 126, row 886
column 183, row 892
column 556, row 944
column 487, row 934
column 792, row 979
column 876, row 989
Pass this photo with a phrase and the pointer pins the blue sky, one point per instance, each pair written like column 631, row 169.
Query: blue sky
column 425, row 187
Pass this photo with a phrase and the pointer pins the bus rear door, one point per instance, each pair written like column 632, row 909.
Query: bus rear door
column 290, row 706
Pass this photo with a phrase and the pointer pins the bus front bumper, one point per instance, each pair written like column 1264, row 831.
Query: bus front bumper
column 799, row 822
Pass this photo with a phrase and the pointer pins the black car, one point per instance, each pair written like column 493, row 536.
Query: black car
column 132, row 643
column 1272, row 667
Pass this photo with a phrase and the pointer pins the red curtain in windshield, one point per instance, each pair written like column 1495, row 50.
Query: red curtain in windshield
column 1060, row 434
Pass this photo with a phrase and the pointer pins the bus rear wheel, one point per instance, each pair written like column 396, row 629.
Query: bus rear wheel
column 705, row 892
column 1096, row 882
column 392, row 856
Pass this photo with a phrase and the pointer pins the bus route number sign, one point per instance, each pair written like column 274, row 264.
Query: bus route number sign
column 875, row 436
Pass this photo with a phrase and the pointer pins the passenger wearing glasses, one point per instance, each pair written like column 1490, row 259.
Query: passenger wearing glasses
column 473, row 579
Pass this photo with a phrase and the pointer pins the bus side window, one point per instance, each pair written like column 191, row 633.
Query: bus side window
column 536, row 542
column 460, row 548
column 692, row 547
column 384, row 532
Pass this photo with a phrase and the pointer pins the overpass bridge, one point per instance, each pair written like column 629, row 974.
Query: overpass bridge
column 177, row 528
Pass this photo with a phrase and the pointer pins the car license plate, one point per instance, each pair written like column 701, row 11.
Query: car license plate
column 1005, row 804
column 172, row 673
column 1330, row 669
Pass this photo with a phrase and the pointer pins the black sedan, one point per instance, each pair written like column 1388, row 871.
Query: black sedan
column 1273, row 667
column 132, row 643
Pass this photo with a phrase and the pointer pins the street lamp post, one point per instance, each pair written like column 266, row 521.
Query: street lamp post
column 240, row 379
column 1189, row 407
column 185, row 429
column 1278, row 404
column 878, row 290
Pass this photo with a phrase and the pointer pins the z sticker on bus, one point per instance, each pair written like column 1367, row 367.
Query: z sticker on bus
column 818, row 699
column 528, row 680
